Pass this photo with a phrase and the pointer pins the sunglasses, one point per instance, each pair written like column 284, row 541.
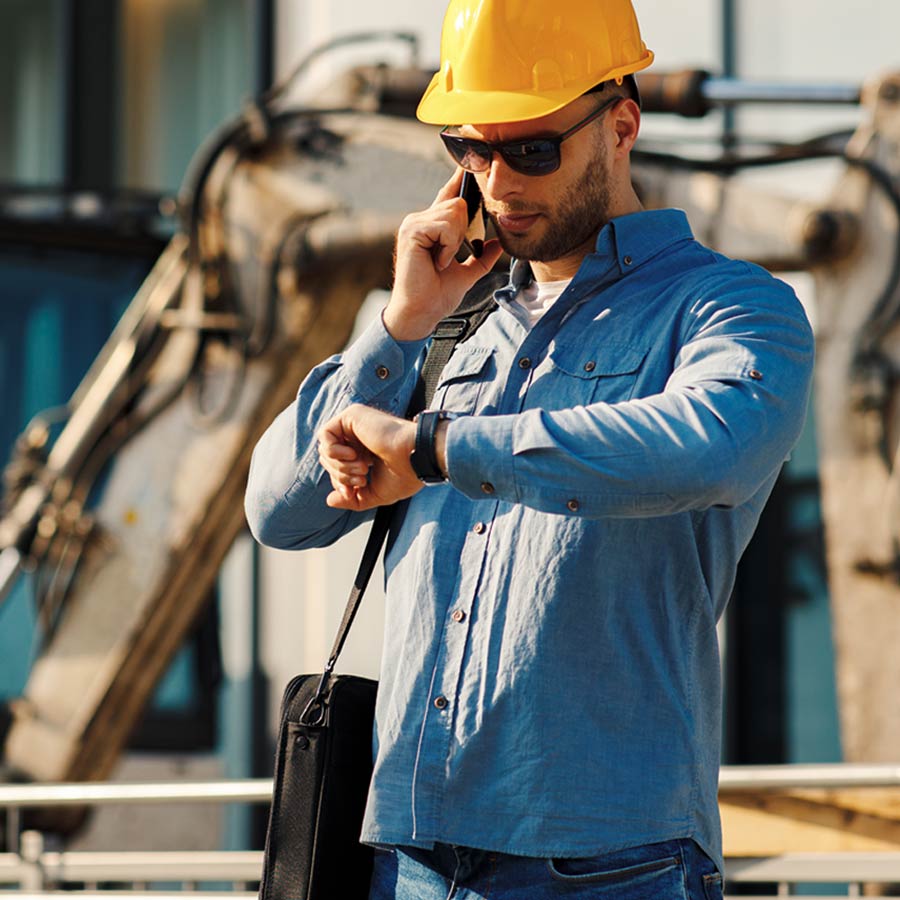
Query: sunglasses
column 534, row 156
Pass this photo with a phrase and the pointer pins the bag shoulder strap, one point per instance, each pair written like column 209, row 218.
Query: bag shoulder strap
column 476, row 306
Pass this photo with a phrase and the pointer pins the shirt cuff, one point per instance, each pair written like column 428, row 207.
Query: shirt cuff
column 480, row 457
column 377, row 367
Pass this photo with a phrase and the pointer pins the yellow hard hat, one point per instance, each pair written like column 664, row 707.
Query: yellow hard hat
column 510, row 60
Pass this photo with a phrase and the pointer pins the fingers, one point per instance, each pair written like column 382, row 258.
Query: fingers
column 344, row 459
column 354, row 501
column 438, row 230
column 447, row 246
column 463, row 275
column 355, row 476
column 347, row 480
column 441, row 228
column 352, row 472
column 338, row 451
column 451, row 188
column 363, row 478
column 480, row 266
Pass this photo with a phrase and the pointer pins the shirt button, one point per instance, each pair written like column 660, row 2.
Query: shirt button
column 590, row 366
column 628, row 260
column 487, row 487
column 441, row 702
column 574, row 505
column 755, row 374
column 382, row 372
column 459, row 615
column 524, row 363
column 479, row 528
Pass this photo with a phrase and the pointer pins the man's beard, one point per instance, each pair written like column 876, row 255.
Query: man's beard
column 582, row 210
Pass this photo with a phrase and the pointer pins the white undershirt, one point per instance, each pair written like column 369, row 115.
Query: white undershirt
column 537, row 302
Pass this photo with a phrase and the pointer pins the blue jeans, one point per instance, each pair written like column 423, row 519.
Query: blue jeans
column 673, row 870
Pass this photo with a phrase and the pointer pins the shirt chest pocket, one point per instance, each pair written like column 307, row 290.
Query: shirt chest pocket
column 462, row 381
column 583, row 371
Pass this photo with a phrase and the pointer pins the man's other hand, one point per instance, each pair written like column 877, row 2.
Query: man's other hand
column 366, row 454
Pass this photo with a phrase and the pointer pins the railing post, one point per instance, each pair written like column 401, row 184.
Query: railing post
column 13, row 827
column 31, row 849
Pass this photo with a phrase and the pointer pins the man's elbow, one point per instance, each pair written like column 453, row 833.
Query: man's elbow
column 265, row 523
column 731, row 479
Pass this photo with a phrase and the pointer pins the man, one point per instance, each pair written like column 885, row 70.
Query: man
column 549, row 707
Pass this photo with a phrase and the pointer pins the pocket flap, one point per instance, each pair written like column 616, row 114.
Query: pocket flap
column 465, row 362
column 581, row 357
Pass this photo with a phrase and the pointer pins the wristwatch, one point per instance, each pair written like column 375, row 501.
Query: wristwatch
column 423, row 458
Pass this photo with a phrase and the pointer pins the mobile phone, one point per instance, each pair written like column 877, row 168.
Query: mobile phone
column 471, row 193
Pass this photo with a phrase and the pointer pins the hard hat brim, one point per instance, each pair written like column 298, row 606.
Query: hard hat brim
column 441, row 107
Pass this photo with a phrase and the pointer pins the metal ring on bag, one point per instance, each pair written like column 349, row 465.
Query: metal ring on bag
column 318, row 703
column 319, row 707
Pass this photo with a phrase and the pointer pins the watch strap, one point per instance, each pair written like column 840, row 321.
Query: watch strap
column 423, row 459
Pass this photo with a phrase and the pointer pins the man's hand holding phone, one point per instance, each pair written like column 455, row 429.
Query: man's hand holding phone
column 429, row 282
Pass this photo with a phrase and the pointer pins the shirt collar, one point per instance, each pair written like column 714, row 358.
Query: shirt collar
column 521, row 283
column 634, row 239
column 623, row 245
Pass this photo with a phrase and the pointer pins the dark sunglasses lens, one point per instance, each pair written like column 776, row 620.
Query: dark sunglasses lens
column 531, row 157
column 474, row 156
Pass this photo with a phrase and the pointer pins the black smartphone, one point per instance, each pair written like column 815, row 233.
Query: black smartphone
column 471, row 193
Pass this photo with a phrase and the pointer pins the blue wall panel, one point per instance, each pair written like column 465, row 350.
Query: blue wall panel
column 56, row 311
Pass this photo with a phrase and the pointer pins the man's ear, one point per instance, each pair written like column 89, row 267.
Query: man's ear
column 627, row 124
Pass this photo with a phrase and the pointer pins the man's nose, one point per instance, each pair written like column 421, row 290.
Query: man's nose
column 501, row 180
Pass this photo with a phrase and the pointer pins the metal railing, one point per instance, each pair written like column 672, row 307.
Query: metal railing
column 34, row 871
column 831, row 776
column 16, row 797
column 852, row 869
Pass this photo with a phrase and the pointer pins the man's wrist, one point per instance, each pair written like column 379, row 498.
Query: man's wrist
column 404, row 328
column 440, row 447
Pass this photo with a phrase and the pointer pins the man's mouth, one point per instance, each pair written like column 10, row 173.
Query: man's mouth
column 517, row 222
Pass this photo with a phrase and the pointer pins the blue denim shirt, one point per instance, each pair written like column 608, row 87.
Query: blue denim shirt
column 550, row 680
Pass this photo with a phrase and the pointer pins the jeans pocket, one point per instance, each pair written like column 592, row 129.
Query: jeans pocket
column 712, row 886
column 621, row 879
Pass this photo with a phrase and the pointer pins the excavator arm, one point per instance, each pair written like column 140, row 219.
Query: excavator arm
column 124, row 523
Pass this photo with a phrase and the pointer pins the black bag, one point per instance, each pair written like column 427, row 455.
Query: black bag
column 323, row 758
column 321, row 780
